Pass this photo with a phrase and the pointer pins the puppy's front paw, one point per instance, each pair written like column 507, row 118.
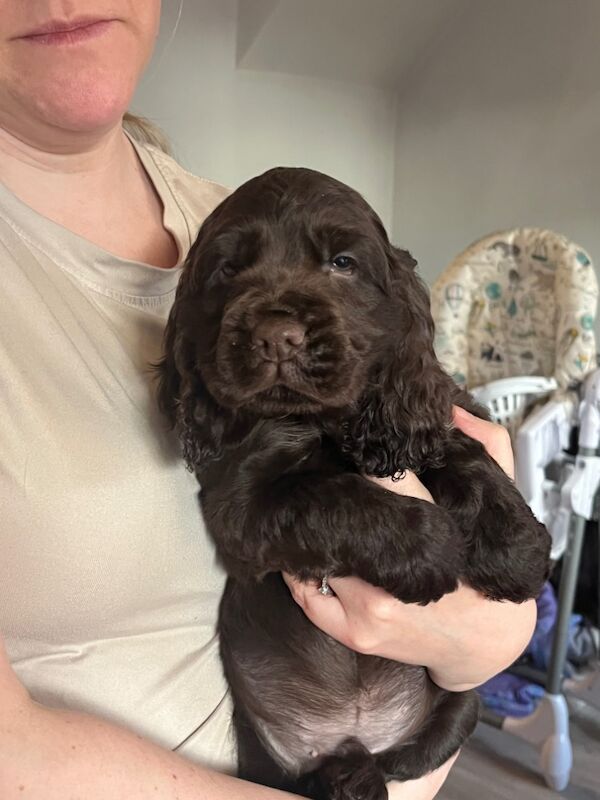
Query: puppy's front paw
column 512, row 569
column 421, row 561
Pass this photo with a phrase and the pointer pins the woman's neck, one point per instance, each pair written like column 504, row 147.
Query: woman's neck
column 46, row 175
column 95, row 188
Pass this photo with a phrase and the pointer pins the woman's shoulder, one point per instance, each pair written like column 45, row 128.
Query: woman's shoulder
column 169, row 164
column 196, row 196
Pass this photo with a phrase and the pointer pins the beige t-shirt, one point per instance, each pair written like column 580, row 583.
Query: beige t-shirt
column 108, row 582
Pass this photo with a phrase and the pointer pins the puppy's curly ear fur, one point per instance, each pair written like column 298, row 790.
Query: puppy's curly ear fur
column 403, row 416
column 186, row 402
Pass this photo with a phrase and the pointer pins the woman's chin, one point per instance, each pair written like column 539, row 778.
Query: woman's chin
column 86, row 101
column 85, row 106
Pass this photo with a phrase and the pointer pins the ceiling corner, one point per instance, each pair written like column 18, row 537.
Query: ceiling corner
column 252, row 15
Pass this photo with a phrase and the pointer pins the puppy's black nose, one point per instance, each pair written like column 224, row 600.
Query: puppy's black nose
column 278, row 339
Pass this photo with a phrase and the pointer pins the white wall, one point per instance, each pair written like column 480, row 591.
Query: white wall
column 501, row 128
column 345, row 130
column 230, row 124
column 495, row 122
column 189, row 87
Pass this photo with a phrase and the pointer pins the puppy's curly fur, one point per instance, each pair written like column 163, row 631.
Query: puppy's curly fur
column 299, row 357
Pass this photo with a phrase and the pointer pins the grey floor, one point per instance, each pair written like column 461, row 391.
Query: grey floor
column 497, row 766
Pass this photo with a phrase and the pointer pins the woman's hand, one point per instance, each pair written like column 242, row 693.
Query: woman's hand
column 463, row 639
column 493, row 437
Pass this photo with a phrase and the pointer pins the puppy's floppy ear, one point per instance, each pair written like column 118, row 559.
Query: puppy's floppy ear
column 184, row 398
column 405, row 411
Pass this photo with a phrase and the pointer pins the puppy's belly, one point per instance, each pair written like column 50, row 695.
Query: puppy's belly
column 304, row 692
column 381, row 715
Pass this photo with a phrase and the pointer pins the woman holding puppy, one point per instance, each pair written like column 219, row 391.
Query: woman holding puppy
column 110, row 680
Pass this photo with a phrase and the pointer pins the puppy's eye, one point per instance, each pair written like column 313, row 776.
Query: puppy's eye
column 229, row 269
column 343, row 263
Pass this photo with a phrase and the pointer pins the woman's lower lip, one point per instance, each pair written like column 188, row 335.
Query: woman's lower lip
column 73, row 36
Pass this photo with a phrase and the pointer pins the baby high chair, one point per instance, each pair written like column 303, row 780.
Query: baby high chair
column 514, row 318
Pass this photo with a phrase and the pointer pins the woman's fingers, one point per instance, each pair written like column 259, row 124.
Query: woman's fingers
column 409, row 484
column 356, row 614
column 492, row 436
column 324, row 610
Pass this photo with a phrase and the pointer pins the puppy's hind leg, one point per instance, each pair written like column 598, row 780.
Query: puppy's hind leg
column 351, row 773
column 255, row 764
column 450, row 724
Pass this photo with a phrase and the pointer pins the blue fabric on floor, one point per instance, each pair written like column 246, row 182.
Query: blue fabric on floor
column 511, row 695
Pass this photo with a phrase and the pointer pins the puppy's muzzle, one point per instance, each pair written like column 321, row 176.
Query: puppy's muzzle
column 278, row 339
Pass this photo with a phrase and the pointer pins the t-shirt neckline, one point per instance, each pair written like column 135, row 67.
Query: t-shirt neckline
column 100, row 269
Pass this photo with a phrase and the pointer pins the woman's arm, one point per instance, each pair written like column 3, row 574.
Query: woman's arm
column 50, row 754
column 463, row 639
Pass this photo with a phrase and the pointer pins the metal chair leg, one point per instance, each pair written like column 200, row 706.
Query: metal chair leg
column 548, row 728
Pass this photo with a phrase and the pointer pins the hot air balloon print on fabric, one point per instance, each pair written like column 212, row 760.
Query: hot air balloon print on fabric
column 455, row 297
column 568, row 337
column 540, row 251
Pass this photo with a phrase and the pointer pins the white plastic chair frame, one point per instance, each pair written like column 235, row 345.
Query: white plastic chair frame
column 540, row 441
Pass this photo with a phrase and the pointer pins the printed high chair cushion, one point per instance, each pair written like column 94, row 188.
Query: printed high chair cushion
column 519, row 302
